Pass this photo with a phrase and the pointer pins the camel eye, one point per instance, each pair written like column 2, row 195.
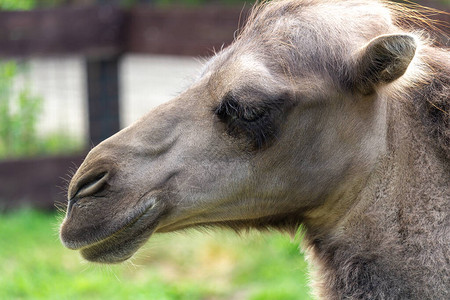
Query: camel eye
column 255, row 123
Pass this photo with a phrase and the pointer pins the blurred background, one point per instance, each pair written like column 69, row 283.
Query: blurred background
column 74, row 72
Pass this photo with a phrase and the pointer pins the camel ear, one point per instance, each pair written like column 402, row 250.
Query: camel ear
column 383, row 60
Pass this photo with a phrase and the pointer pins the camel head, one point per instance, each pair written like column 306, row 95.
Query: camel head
column 274, row 131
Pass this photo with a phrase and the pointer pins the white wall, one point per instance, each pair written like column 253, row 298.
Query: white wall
column 147, row 81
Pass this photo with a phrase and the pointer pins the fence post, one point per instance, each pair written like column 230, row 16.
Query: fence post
column 103, row 97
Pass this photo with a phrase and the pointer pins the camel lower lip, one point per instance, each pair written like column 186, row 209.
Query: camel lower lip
column 122, row 244
column 117, row 233
column 118, row 240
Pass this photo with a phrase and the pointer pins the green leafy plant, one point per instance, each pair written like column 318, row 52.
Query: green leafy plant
column 19, row 118
column 17, row 4
column 18, row 115
column 30, row 4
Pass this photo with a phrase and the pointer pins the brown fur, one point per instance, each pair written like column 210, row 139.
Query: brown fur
column 322, row 114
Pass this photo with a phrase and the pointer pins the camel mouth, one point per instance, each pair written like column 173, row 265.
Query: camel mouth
column 119, row 244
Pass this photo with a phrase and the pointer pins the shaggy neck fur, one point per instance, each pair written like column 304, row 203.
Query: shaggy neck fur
column 394, row 242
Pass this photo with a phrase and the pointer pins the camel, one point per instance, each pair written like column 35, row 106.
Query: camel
column 332, row 116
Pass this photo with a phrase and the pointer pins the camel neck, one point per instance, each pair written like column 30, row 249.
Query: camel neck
column 394, row 241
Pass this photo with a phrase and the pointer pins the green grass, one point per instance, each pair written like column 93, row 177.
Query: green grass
column 186, row 265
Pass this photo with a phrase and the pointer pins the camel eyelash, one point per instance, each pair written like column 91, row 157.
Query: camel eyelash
column 256, row 123
column 230, row 109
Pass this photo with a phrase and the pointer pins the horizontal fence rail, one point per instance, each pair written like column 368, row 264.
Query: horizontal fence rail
column 108, row 30
column 36, row 182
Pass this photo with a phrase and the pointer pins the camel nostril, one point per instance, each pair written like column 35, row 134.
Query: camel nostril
column 87, row 186
column 90, row 185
